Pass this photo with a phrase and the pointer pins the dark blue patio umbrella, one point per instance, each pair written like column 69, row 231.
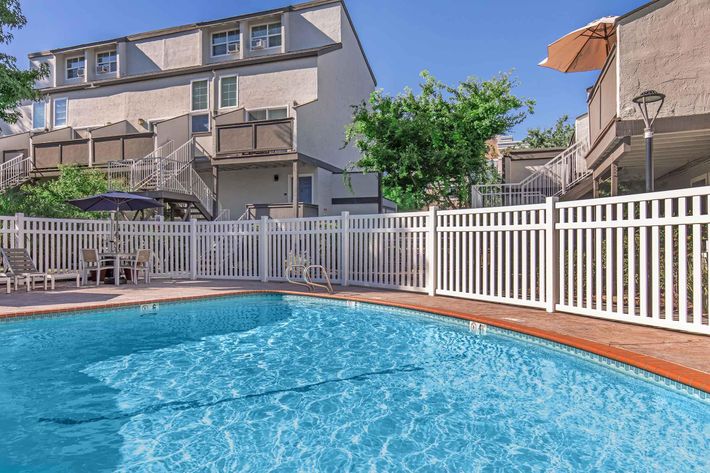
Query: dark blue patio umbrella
column 115, row 201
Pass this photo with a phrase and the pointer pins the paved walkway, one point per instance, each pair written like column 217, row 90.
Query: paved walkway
column 680, row 356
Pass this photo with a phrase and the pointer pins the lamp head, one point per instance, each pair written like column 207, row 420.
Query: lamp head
column 643, row 100
column 649, row 96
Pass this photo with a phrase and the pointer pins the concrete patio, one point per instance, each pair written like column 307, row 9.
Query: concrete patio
column 680, row 356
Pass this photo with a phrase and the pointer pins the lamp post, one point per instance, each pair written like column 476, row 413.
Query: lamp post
column 655, row 99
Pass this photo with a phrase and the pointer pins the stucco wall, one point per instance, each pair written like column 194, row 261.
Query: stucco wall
column 667, row 50
column 253, row 186
column 275, row 84
column 314, row 27
column 23, row 124
column 343, row 81
column 164, row 52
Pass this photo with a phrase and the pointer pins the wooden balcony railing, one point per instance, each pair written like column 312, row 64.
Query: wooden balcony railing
column 255, row 138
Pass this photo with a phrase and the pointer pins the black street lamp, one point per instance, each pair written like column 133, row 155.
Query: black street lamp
column 655, row 99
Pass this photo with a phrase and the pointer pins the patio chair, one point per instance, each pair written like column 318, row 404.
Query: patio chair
column 300, row 263
column 20, row 267
column 90, row 261
column 140, row 261
column 5, row 279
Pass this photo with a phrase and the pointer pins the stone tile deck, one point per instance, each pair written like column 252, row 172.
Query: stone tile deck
column 679, row 356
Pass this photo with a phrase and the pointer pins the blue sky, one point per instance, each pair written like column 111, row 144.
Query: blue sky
column 453, row 39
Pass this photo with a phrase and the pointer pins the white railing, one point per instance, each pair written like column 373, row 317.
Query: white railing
column 15, row 171
column 553, row 179
column 132, row 174
column 165, row 169
column 640, row 259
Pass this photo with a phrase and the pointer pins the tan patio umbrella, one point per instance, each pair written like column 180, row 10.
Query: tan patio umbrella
column 584, row 49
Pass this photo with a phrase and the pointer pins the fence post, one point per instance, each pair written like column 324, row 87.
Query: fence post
column 345, row 248
column 193, row 249
column 432, row 266
column 263, row 249
column 19, row 230
column 552, row 254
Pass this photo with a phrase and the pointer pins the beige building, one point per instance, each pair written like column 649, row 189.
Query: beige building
column 663, row 46
column 244, row 113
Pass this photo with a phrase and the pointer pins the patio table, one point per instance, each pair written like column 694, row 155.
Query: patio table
column 116, row 256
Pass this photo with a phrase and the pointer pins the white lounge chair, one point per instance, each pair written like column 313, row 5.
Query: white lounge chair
column 299, row 264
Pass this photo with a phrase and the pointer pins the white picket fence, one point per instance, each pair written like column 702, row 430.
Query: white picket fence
column 641, row 259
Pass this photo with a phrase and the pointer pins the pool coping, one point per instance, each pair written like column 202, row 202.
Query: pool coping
column 682, row 374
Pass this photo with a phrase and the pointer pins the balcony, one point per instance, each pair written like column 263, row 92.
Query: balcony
column 256, row 138
column 602, row 101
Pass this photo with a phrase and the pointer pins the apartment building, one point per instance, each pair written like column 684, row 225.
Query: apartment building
column 244, row 114
column 609, row 146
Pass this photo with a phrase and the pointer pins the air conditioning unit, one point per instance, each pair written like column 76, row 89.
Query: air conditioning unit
column 80, row 72
column 233, row 48
column 258, row 44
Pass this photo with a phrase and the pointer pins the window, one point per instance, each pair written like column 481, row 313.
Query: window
column 75, row 67
column 60, row 112
column 200, row 123
column 266, row 36
column 200, row 95
column 106, row 62
column 38, row 115
column 267, row 114
column 224, row 43
column 228, row 91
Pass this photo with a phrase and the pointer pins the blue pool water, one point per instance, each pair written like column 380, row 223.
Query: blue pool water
column 277, row 383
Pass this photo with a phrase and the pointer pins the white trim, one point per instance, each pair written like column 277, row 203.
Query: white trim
column 268, row 48
column 66, row 69
column 207, row 109
column 239, row 42
column 54, row 112
column 219, row 91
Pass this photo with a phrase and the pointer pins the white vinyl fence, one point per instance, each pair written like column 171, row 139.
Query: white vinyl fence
column 640, row 259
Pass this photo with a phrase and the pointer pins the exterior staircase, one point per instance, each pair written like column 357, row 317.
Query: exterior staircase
column 166, row 174
column 554, row 179
column 15, row 172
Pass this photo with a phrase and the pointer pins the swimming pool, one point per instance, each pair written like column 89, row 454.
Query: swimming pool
column 283, row 383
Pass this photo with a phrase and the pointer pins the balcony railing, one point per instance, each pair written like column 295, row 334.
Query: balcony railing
column 255, row 138
column 602, row 100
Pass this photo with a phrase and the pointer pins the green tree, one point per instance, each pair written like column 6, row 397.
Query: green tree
column 16, row 85
column 557, row 136
column 431, row 147
column 48, row 199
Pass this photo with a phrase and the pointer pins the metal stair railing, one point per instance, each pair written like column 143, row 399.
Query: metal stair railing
column 15, row 171
column 166, row 169
column 553, row 179
column 133, row 174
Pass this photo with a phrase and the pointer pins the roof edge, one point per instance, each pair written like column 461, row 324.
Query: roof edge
column 185, row 27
